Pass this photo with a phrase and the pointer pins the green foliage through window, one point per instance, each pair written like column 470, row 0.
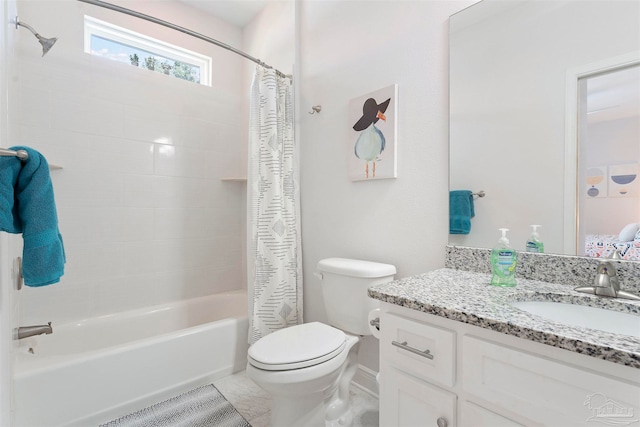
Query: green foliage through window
column 115, row 43
column 143, row 59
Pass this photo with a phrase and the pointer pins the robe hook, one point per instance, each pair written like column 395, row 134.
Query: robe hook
column 316, row 109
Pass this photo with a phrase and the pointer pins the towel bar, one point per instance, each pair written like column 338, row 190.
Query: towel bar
column 21, row 154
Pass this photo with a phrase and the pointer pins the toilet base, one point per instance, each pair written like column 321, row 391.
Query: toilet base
column 307, row 411
column 338, row 410
column 306, row 404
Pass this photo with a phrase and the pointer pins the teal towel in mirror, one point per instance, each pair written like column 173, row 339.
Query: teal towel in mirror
column 27, row 206
column 460, row 211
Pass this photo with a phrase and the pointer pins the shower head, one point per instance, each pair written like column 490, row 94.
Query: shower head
column 45, row 42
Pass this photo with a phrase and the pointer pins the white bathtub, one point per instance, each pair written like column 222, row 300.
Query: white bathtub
column 101, row 368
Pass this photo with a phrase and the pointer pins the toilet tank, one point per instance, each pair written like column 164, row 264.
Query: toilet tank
column 344, row 288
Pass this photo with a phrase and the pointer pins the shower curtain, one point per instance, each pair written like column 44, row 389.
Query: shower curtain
column 274, row 252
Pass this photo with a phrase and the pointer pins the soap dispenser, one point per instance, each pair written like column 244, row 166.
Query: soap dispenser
column 503, row 262
column 534, row 244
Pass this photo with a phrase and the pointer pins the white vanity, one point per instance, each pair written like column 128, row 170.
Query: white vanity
column 455, row 352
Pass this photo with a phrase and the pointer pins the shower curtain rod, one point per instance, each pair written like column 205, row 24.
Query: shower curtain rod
column 182, row 30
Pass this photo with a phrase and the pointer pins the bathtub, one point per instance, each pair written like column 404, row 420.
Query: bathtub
column 98, row 369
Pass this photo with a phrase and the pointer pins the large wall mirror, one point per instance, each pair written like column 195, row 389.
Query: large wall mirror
column 545, row 119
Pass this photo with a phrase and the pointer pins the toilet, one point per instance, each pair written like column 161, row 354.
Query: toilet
column 307, row 369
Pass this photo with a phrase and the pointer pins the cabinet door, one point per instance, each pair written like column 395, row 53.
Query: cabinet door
column 546, row 391
column 409, row 402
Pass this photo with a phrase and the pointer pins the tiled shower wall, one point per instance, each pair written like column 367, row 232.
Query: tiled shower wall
column 144, row 213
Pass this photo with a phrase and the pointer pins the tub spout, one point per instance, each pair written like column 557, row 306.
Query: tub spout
column 29, row 331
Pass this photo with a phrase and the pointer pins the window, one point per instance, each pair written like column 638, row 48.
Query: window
column 119, row 44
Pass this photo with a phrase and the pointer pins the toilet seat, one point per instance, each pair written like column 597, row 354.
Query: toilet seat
column 297, row 347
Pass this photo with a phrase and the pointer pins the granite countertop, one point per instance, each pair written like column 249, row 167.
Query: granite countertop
column 467, row 297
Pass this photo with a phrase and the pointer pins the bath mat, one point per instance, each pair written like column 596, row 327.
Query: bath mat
column 201, row 407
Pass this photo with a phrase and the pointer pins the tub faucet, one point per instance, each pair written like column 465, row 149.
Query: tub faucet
column 29, row 331
column 606, row 282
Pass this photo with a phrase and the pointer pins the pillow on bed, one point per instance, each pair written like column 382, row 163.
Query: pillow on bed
column 637, row 239
column 629, row 232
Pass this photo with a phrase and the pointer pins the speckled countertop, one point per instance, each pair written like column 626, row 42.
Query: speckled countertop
column 467, row 297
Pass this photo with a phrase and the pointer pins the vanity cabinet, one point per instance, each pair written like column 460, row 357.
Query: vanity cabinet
column 440, row 372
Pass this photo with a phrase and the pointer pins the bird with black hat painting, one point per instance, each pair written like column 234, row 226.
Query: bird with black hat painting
column 371, row 141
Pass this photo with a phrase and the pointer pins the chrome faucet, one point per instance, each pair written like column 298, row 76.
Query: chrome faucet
column 29, row 331
column 606, row 282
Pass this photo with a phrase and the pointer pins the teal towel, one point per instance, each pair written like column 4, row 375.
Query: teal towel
column 27, row 206
column 460, row 211
column 9, row 169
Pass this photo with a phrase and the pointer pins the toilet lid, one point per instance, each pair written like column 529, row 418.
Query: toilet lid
column 297, row 347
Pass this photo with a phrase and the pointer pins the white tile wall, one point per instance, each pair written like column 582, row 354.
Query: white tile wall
column 144, row 215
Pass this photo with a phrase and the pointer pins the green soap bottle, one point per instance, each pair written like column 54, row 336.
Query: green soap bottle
column 533, row 243
column 503, row 262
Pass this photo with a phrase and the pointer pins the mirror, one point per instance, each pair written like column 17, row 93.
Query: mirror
column 515, row 69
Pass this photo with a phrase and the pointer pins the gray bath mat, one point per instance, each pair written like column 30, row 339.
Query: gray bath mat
column 201, row 407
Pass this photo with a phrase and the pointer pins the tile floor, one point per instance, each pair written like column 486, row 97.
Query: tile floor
column 255, row 405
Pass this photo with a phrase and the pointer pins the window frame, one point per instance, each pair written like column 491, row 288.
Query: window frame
column 106, row 30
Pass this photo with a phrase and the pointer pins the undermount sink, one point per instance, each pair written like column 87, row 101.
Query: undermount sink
column 584, row 316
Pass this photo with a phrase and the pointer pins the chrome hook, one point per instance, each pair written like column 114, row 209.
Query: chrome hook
column 316, row 109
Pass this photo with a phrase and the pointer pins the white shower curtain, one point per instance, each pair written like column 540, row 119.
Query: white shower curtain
column 274, row 252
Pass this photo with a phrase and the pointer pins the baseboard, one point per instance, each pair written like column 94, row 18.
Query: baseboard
column 365, row 379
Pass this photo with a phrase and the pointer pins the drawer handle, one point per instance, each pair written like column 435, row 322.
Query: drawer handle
column 442, row 422
column 404, row 346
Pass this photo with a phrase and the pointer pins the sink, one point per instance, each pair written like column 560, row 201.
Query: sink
column 584, row 316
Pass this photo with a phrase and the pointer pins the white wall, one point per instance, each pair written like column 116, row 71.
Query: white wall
column 350, row 48
column 270, row 36
column 142, row 222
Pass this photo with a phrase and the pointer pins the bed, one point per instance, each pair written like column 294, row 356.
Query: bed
column 602, row 245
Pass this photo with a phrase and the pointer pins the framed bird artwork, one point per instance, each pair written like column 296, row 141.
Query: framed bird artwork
column 372, row 145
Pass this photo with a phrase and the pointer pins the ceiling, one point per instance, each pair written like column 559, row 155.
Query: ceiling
column 236, row 12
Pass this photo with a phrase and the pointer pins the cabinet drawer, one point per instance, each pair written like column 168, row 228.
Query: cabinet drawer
column 418, row 348
column 543, row 390
column 472, row 415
